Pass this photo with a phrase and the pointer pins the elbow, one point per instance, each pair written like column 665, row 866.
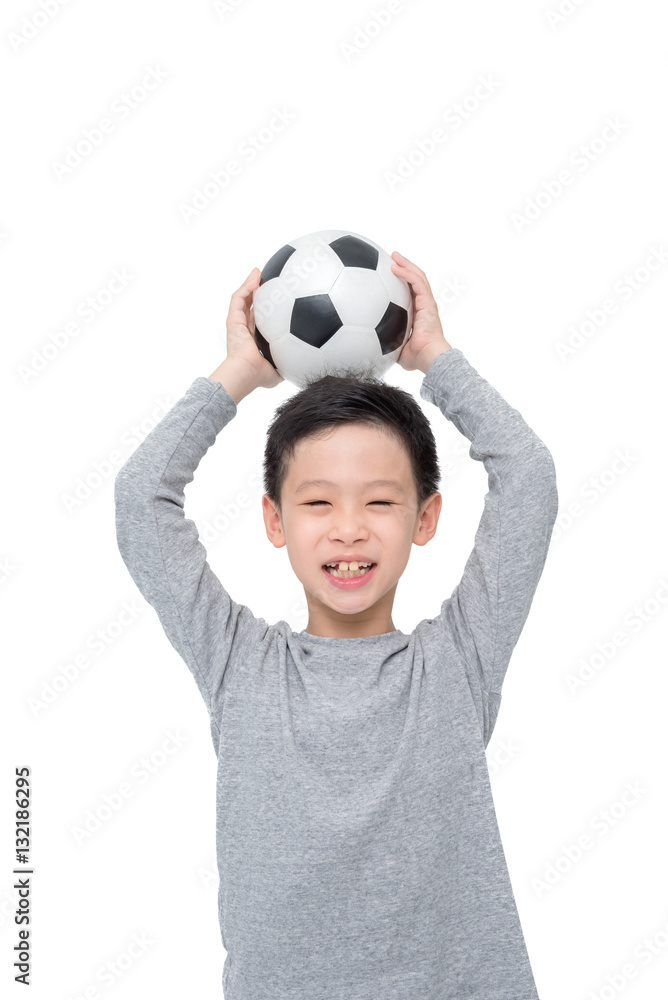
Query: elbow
column 128, row 509
column 543, row 476
column 549, row 482
column 127, row 484
column 122, row 495
column 549, row 468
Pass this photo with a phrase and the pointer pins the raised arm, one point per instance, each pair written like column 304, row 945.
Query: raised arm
column 159, row 545
column 161, row 548
column 487, row 610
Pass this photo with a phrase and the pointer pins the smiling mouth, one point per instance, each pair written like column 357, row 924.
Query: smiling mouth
column 348, row 574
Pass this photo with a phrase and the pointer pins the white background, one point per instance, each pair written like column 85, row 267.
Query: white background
column 362, row 97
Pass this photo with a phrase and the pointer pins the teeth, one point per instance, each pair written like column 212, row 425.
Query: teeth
column 350, row 565
column 348, row 570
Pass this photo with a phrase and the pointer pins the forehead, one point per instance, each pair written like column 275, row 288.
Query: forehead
column 360, row 453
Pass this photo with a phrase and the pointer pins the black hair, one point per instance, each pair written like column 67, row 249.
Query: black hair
column 357, row 396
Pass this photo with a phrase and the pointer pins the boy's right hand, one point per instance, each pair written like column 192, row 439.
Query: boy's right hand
column 240, row 327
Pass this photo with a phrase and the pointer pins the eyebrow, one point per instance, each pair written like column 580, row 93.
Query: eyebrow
column 310, row 483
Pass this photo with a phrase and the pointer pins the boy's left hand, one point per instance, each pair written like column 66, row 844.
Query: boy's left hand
column 427, row 339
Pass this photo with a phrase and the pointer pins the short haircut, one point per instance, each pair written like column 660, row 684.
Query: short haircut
column 360, row 397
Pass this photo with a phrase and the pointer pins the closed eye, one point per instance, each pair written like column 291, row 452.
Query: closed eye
column 313, row 503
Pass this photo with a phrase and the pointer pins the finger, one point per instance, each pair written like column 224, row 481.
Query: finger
column 407, row 264
column 249, row 283
column 400, row 259
column 240, row 299
column 423, row 297
column 416, row 278
column 237, row 311
column 412, row 274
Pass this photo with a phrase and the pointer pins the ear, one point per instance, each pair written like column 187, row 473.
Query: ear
column 272, row 522
column 428, row 519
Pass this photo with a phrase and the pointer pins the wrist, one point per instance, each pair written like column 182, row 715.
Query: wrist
column 430, row 352
column 236, row 375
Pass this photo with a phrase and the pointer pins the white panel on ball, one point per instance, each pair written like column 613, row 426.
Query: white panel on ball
column 354, row 345
column 273, row 303
column 300, row 359
column 308, row 274
column 359, row 296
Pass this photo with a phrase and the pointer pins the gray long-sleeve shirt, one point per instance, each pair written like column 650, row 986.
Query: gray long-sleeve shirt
column 357, row 844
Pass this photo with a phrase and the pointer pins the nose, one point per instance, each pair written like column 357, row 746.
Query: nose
column 349, row 526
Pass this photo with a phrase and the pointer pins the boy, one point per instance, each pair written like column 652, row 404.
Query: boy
column 357, row 843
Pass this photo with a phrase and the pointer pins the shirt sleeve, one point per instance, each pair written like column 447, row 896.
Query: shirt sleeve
column 486, row 611
column 161, row 547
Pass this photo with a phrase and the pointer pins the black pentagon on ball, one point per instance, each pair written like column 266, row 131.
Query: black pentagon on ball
column 263, row 346
column 392, row 328
column 353, row 252
column 275, row 264
column 314, row 319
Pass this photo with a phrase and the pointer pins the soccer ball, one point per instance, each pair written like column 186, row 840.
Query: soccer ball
column 329, row 304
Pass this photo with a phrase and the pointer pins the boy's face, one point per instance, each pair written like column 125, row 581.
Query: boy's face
column 323, row 523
